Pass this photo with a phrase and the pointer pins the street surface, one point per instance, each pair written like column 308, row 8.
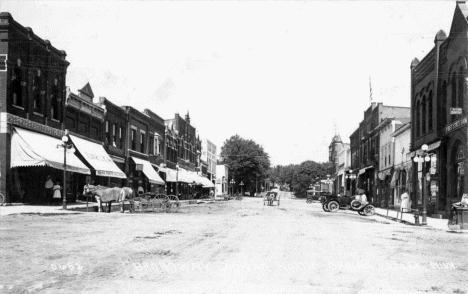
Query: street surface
column 229, row 247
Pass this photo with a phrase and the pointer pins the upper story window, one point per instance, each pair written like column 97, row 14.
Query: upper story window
column 454, row 94
column 423, row 116
column 418, row 119
column 113, row 135
column 16, row 87
column 55, row 98
column 461, row 86
column 142, row 141
column 37, row 92
column 133, row 138
column 429, row 111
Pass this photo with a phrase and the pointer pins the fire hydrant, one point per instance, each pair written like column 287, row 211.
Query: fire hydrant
column 416, row 219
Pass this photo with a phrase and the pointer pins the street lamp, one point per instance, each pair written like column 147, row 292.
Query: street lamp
column 232, row 187
column 67, row 148
column 241, row 184
column 177, row 180
column 423, row 159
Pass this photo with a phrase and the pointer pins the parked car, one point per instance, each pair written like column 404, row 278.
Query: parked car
column 332, row 203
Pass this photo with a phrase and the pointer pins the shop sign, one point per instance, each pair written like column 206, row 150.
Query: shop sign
column 455, row 110
column 456, row 125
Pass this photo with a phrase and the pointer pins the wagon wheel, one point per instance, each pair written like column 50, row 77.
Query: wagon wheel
column 173, row 203
column 369, row 210
column 160, row 202
column 333, row 206
column 131, row 206
column 137, row 204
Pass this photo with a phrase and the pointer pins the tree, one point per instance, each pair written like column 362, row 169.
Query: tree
column 247, row 161
column 305, row 175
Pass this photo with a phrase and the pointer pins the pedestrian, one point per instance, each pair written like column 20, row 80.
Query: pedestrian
column 140, row 189
column 405, row 201
column 363, row 197
column 57, row 195
column 48, row 190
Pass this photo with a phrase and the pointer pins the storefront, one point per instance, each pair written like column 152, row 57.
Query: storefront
column 35, row 156
column 102, row 166
column 143, row 174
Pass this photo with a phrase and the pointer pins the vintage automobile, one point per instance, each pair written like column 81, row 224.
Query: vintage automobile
column 332, row 203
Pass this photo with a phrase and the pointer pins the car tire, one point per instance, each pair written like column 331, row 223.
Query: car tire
column 325, row 207
column 355, row 205
column 333, row 206
column 369, row 210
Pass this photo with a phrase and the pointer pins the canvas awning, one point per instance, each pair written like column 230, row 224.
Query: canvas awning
column 396, row 174
column 98, row 158
column 363, row 170
column 149, row 171
column 34, row 149
column 207, row 183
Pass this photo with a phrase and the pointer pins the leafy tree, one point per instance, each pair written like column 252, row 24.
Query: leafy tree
column 305, row 175
column 247, row 161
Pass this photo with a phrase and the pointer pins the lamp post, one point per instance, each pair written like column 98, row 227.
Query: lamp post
column 423, row 159
column 177, row 180
column 241, row 184
column 232, row 186
column 67, row 148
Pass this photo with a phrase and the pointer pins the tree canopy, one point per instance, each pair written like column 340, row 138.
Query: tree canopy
column 248, row 162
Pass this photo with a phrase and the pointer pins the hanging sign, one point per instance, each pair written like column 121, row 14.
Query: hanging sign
column 455, row 110
column 456, row 125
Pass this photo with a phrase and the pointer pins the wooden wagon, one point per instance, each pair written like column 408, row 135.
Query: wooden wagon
column 151, row 202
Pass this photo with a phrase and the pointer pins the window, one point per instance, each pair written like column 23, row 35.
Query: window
column 418, row 119
column 423, row 116
column 16, row 88
column 113, row 135
column 142, row 141
column 429, row 105
column 54, row 109
column 461, row 86
column 444, row 103
column 37, row 87
column 454, row 94
column 133, row 139
column 157, row 149
column 120, row 137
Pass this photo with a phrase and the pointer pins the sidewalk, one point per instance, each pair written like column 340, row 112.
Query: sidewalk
column 74, row 208
column 436, row 223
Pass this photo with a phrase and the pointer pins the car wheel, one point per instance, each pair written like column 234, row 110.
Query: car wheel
column 360, row 212
column 325, row 207
column 356, row 204
column 369, row 210
column 333, row 206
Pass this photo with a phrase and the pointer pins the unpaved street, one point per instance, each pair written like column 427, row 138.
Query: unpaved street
column 228, row 247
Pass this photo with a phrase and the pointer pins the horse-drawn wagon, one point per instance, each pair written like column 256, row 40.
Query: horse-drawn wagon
column 270, row 198
column 151, row 202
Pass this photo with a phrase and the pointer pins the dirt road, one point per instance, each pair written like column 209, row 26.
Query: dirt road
column 228, row 247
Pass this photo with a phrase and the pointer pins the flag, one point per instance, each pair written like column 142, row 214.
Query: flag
column 370, row 88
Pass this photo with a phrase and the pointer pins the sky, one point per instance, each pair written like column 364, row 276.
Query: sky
column 288, row 75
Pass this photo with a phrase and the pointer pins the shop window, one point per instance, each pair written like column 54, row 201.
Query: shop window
column 444, row 103
column 120, row 138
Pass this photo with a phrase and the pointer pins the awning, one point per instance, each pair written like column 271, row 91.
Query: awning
column 396, row 174
column 384, row 174
column 98, row 158
column 149, row 171
column 363, row 170
column 207, row 183
column 34, row 149
column 173, row 176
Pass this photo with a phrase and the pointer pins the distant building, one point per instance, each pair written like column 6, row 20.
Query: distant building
column 402, row 165
column 208, row 158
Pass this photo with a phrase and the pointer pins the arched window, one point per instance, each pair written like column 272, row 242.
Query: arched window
column 16, row 90
column 418, row 119
column 429, row 111
column 461, row 86
column 444, row 103
column 453, row 83
column 423, row 116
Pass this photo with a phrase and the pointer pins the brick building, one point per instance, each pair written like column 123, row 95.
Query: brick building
column 439, row 116
column 365, row 144
column 32, row 96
